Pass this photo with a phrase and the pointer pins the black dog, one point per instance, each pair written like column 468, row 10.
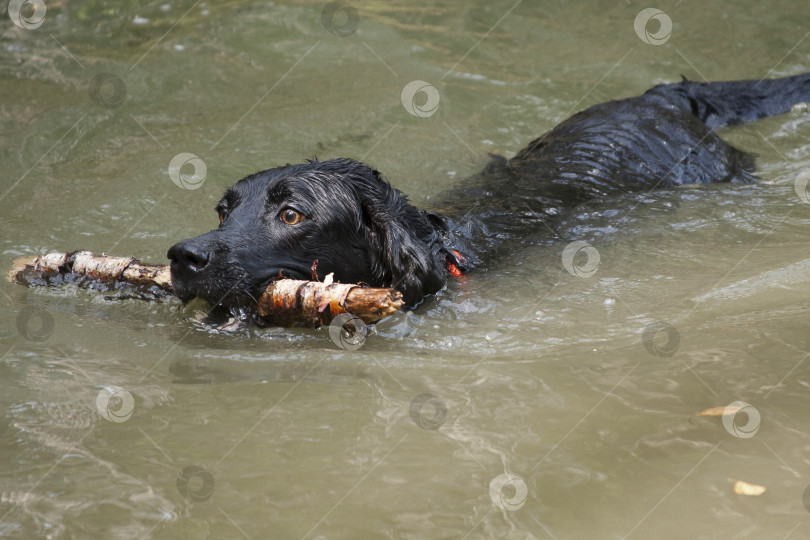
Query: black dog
column 343, row 215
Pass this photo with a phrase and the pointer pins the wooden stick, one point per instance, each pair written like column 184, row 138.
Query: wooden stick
column 29, row 270
column 318, row 302
column 284, row 302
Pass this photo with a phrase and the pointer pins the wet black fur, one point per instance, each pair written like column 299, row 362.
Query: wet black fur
column 362, row 229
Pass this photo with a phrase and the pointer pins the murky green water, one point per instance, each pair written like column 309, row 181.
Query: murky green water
column 530, row 370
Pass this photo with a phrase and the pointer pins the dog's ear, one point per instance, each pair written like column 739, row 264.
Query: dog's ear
column 405, row 248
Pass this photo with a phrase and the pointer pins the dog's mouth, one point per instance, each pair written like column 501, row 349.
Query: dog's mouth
column 226, row 280
column 232, row 293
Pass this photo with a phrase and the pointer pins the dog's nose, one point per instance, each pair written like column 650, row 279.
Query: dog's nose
column 187, row 256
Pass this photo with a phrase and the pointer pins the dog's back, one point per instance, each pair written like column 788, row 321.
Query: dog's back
column 661, row 138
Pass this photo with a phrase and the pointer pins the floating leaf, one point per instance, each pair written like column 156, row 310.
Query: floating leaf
column 729, row 410
column 744, row 488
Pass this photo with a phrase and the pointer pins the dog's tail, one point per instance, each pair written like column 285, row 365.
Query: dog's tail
column 720, row 104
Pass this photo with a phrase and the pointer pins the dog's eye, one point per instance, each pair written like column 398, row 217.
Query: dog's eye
column 291, row 217
column 222, row 212
column 223, row 215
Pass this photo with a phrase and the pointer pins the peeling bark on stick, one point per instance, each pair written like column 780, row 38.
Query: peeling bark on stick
column 285, row 302
column 25, row 270
column 318, row 302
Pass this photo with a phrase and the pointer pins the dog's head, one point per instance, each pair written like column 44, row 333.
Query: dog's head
column 278, row 222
